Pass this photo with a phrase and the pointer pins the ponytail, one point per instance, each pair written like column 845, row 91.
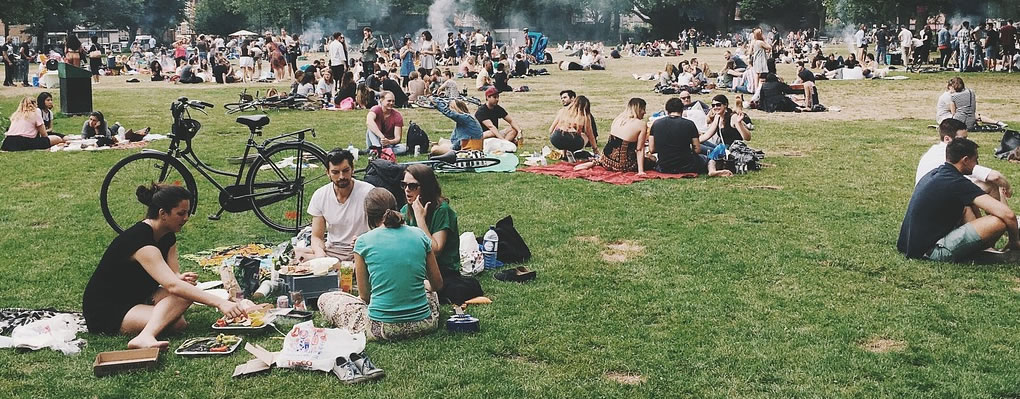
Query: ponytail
column 161, row 196
column 381, row 209
column 393, row 219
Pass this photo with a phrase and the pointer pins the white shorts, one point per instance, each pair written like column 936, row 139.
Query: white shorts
column 246, row 62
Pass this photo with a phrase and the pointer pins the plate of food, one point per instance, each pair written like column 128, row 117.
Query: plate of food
column 254, row 321
column 222, row 344
column 317, row 266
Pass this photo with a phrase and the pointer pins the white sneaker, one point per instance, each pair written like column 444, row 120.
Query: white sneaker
column 347, row 371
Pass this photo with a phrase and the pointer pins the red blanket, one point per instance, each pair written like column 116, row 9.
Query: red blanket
column 566, row 170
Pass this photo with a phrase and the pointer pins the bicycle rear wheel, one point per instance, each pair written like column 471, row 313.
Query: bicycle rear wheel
column 279, row 196
column 467, row 164
column 117, row 197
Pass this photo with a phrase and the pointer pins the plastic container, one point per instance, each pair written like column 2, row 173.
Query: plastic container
column 346, row 277
column 490, row 247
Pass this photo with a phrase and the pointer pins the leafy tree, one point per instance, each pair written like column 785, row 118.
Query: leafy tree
column 219, row 17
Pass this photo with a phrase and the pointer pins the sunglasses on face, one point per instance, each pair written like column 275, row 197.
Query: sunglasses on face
column 716, row 104
column 410, row 186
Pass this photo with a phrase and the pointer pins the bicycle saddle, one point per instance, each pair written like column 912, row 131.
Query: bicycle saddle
column 449, row 157
column 253, row 121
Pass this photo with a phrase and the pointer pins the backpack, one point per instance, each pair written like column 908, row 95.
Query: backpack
column 742, row 159
column 416, row 137
column 512, row 248
column 388, row 175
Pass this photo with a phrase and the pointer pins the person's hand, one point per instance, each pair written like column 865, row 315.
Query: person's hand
column 419, row 209
column 189, row 277
column 231, row 309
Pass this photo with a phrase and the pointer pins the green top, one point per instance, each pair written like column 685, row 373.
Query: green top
column 395, row 259
column 443, row 218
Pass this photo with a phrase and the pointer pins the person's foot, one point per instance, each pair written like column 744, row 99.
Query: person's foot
column 141, row 342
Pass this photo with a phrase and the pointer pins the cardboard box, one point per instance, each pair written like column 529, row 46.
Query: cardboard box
column 262, row 363
column 114, row 362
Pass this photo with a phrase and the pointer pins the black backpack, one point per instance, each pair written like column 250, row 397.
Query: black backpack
column 416, row 137
column 388, row 175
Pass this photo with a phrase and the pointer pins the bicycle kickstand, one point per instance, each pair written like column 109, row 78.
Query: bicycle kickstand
column 217, row 215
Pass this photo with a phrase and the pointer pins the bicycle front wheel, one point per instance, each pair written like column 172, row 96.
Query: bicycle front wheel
column 282, row 182
column 117, row 196
column 233, row 108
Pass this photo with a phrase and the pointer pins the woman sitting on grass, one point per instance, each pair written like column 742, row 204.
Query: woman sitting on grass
column 571, row 131
column 45, row 104
column 963, row 106
column 27, row 130
column 467, row 134
column 138, row 287
column 397, row 273
column 625, row 150
column 430, row 211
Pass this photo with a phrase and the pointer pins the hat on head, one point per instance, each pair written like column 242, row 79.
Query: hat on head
column 492, row 91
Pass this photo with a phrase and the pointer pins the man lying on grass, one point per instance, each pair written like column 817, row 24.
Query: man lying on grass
column 943, row 220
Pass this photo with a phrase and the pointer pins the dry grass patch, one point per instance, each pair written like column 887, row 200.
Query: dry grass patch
column 625, row 378
column 622, row 251
column 883, row 345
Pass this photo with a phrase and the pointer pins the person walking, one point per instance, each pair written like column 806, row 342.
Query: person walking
column 8, row 63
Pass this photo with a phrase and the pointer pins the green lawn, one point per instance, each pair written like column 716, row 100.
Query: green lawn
column 735, row 290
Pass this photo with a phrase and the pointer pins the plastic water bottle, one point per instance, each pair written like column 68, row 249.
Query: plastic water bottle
column 353, row 150
column 490, row 246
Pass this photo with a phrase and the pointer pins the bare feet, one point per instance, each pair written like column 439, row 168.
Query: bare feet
column 141, row 342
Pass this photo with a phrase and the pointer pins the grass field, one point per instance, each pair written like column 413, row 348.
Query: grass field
column 781, row 283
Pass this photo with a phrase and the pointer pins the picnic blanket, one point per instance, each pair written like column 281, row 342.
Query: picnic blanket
column 565, row 170
column 76, row 143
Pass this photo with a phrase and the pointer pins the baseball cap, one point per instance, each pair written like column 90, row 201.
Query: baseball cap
column 492, row 91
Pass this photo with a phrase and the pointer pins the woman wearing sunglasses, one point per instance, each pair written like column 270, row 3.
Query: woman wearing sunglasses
column 724, row 124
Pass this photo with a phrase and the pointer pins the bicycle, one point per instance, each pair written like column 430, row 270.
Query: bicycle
column 248, row 102
column 453, row 161
column 277, row 186
column 429, row 102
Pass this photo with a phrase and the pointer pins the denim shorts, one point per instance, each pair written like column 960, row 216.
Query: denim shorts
column 956, row 246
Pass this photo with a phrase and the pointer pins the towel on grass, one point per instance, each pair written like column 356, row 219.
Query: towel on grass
column 565, row 170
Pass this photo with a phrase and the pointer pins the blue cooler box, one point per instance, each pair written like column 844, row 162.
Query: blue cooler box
column 311, row 287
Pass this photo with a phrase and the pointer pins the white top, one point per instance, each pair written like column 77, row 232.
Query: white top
column 343, row 221
column 942, row 111
column 859, row 37
column 324, row 88
column 905, row 38
column 306, row 89
column 336, row 55
column 936, row 156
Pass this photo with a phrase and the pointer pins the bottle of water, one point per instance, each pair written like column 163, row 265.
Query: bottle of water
column 354, row 151
column 490, row 246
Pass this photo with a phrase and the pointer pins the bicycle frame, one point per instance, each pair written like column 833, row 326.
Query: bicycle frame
column 189, row 156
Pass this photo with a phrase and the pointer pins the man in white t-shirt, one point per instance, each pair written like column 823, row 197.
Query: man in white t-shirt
column 338, row 208
column 992, row 182
column 337, row 51
column 906, row 43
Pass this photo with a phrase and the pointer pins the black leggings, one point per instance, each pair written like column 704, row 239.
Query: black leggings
column 569, row 141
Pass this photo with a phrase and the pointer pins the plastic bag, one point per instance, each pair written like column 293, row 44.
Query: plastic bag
column 307, row 347
column 58, row 333
column 471, row 260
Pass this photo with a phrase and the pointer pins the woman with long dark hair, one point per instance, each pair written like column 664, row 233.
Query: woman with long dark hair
column 138, row 287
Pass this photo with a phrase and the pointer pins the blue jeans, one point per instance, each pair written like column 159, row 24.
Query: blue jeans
column 371, row 140
column 964, row 56
column 880, row 53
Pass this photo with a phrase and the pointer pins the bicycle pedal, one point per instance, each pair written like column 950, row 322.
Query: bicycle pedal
column 214, row 217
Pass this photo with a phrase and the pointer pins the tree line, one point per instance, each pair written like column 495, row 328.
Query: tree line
column 600, row 19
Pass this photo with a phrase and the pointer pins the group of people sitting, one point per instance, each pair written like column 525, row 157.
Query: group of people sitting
column 406, row 260
column 385, row 124
column 671, row 144
column 960, row 103
column 32, row 128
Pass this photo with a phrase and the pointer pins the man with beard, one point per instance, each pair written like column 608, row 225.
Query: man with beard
column 337, row 208
column 567, row 97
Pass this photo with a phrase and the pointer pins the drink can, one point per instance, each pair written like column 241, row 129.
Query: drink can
column 282, row 302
